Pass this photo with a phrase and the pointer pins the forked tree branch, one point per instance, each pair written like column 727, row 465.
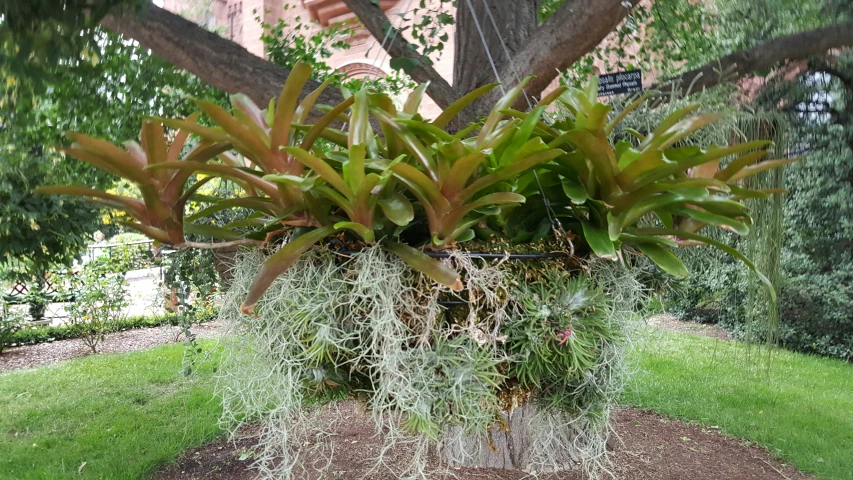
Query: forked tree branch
column 764, row 56
column 376, row 22
column 574, row 30
column 216, row 60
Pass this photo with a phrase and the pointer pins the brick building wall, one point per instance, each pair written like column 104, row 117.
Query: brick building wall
column 237, row 21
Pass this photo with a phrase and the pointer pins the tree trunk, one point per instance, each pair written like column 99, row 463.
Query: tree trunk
column 225, row 259
column 506, row 446
column 516, row 22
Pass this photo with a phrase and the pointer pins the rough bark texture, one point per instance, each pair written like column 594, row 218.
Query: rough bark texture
column 516, row 22
column 374, row 20
column 219, row 62
column 764, row 56
column 576, row 28
column 507, row 449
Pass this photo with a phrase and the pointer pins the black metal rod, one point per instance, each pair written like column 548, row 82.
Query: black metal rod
column 511, row 256
column 487, row 256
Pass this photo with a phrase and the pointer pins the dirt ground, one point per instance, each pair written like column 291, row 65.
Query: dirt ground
column 666, row 321
column 29, row 356
column 650, row 447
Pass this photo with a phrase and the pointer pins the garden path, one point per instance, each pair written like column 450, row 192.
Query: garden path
column 669, row 322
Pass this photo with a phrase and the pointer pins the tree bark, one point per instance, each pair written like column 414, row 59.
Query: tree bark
column 516, row 22
column 764, row 56
column 575, row 29
column 373, row 19
column 217, row 61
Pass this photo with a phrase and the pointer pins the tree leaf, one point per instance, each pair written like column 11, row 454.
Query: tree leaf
column 407, row 65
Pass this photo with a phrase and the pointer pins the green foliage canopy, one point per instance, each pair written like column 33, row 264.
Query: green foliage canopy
column 38, row 232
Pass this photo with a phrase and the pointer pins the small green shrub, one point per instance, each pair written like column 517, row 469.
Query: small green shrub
column 10, row 323
column 32, row 334
column 99, row 298
column 124, row 258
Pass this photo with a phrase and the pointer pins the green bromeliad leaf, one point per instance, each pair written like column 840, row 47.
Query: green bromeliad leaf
column 599, row 241
column 397, row 208
column 280, row 262
column 430, row 267
column 664, row 258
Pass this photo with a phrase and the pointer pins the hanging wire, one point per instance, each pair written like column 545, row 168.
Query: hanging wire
column 559, row 231
column 506, row 51
column 383, row 52
column 486, row 45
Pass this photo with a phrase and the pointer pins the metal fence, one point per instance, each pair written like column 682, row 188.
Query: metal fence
column 21, row 295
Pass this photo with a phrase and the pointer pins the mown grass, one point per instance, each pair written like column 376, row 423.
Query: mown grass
column 799, row 406
column 122, row 414
column 126, row 414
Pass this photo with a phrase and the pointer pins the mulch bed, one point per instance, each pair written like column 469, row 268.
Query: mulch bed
column 650, row 447
column 29, row 356
column 666, row 321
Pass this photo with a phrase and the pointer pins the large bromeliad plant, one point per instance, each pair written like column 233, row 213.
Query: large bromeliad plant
column 416, row 187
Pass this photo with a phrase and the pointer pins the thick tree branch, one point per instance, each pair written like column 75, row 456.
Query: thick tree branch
column 575, row 29
column 766, row 55
column 376, row 22
column 217, row 61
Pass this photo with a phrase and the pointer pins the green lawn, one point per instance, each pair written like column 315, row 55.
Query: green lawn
column 126, row 414
column 122, row 414
column 801, row 407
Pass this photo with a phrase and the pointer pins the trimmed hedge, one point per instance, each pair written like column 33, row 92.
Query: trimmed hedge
column 29, row 335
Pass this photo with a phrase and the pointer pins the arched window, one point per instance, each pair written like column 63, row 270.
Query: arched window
column 361, row 70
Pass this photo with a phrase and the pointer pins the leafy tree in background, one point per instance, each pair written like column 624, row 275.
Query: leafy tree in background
column 817, row 295
column 104, row 93
column 37, row 232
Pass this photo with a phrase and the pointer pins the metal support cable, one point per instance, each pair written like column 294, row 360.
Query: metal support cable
column 486, row 46
column 559, row 232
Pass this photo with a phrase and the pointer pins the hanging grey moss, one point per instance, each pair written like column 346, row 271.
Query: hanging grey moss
column 368, row 327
